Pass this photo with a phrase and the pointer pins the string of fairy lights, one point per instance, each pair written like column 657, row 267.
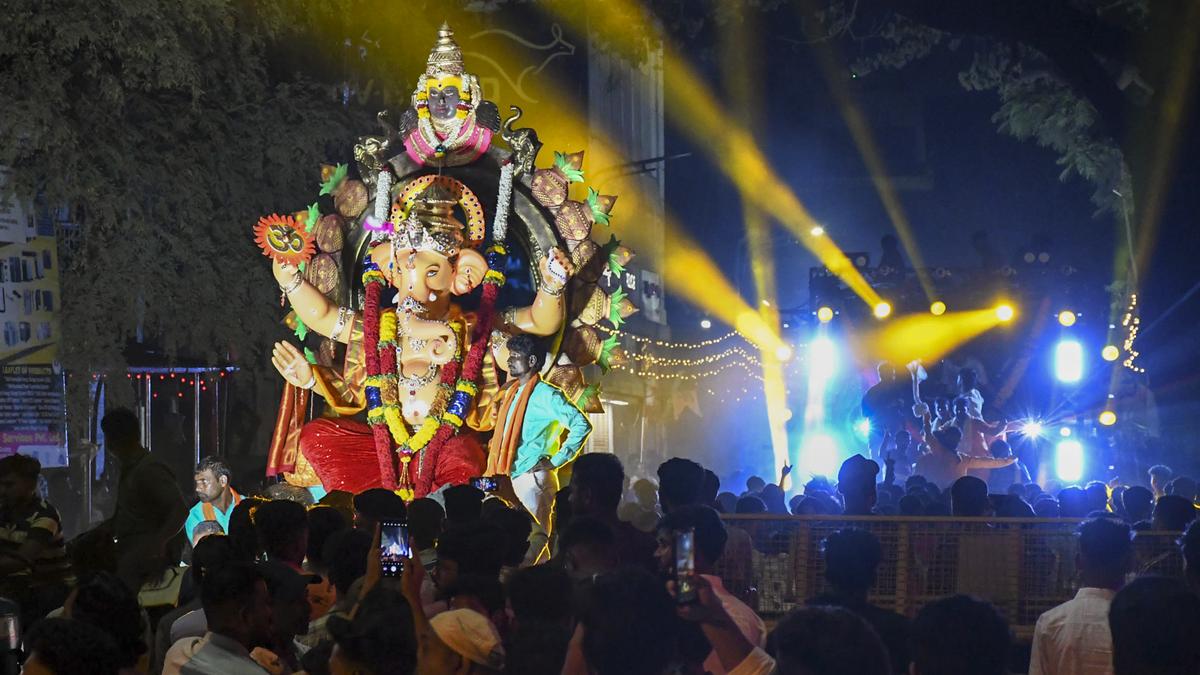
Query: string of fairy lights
column 687, row 376
column 1132, row 323
column 735, row 352
column 666, row 344
column 664, row 360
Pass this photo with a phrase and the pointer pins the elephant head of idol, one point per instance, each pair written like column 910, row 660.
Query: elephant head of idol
column 428, row 259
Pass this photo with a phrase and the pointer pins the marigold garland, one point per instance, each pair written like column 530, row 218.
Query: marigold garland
column 457, row 384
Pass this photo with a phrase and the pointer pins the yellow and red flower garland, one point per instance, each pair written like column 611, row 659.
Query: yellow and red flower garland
column 454, row 400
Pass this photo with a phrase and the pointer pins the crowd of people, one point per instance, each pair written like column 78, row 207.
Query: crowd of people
column 275, row 583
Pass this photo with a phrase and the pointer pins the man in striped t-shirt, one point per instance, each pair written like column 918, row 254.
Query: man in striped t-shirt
column 34, row 569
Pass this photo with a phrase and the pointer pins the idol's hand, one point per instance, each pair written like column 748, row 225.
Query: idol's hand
column 556, row 269
column 292, row 365
column 284, row 273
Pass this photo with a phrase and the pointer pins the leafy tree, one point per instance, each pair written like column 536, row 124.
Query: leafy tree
column 167, row 129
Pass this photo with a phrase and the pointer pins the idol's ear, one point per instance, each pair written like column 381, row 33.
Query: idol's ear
column 468, row 271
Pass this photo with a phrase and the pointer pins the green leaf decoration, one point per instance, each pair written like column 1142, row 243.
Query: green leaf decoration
column 593, row 200
column 606, row 351
column 314, row 214
column 308, row 354
column 614, row 308
column 339, row 175
column 301, row 329
column 561, row 163
column 614, row 263
column 587, row 394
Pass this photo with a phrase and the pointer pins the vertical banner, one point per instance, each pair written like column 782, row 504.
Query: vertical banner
column 32, row 387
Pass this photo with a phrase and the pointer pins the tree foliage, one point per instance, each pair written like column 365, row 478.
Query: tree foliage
column 166, row 129
column 1039, row 100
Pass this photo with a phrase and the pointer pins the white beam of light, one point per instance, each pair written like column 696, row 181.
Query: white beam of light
column 1068, row 361
column 818, row 455
column 1068, row 460
column 822, row 364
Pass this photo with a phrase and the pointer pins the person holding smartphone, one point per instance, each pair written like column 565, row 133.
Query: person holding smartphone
column 529, row 442
column 690, row 541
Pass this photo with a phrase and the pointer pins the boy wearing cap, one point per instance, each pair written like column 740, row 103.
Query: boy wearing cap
column 856, row 482
column 462, row 642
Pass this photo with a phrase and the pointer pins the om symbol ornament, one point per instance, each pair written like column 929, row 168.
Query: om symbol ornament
column 284, row 239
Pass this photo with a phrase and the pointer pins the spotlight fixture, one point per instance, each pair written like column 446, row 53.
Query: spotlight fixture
column 1066, row 318
column 825, row 314
column 938, row 308
column 783, row 353
column 1110, row 353
column 705, row 323
column 817, row 231
column 882, row 310
column 1108, row 418
column 1005, row 313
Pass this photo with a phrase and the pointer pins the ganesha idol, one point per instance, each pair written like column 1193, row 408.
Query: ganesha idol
column 426, row 234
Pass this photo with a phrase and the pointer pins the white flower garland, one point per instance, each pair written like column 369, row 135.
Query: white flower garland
column 383, row 200
column 503, row 203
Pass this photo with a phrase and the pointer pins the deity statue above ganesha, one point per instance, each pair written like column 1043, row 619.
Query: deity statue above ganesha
column 399, row 287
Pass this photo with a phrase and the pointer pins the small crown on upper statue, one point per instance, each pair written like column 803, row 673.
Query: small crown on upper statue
column 445, row 58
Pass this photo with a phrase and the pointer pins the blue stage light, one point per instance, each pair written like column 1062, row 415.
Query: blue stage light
column 863, row 427
column 1068, row 460
column 1068, row 361
column 1032, row 429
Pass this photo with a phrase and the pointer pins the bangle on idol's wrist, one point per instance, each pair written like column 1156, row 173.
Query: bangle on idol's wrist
column 345, row 314
column 553, row 292
column 293, row 285
column 312, row 382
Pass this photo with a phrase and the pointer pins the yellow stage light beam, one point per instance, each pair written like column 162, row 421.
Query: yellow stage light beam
column 739, row 57
column 694, row 109
column 774, row 389
column 921, row 336
column 697, row 280
column 1174, row 105
column 868, row 149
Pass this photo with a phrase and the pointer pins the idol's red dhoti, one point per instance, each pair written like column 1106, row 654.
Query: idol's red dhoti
column 342, row 452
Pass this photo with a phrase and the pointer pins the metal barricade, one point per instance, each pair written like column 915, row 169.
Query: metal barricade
column 1024, row 566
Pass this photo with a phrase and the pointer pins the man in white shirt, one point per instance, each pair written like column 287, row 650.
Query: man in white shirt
column 238, row 606
column 1074, row 638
